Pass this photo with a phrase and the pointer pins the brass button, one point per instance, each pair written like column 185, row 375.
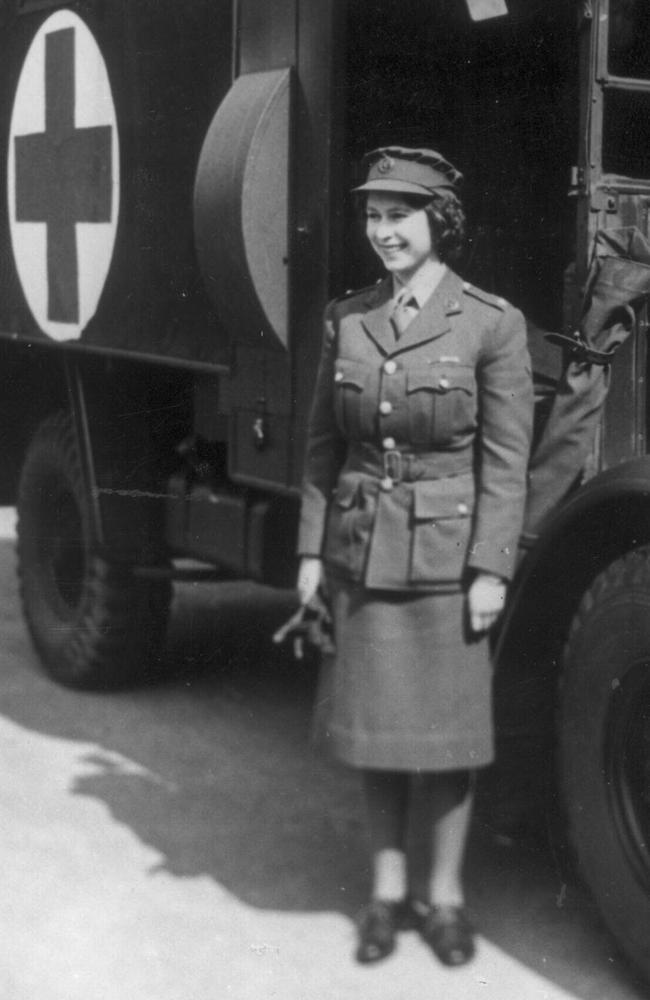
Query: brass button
column 444, row 382
column 385, row 407
column 338, row 377
column 390, row 367
column 386, row 484
column 388, row 444
column 463, row 508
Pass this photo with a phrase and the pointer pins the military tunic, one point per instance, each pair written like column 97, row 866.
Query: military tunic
column 414, row 478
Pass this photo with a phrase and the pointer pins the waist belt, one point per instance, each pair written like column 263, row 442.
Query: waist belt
column 393, row 466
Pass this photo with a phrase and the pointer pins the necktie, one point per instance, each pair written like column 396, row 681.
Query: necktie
column 403, row 312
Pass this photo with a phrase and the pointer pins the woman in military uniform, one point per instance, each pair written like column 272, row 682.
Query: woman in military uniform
column 412, row 506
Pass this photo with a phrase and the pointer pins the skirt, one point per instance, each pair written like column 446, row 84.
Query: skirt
column 409, row 688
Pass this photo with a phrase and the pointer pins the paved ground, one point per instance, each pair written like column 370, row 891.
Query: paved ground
column 184, row 843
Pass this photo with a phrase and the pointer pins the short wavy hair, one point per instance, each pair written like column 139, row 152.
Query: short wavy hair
column 446, row 217
column 446, row 220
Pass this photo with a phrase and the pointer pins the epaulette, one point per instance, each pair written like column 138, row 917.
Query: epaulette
column 487, row 297
column 356, row 291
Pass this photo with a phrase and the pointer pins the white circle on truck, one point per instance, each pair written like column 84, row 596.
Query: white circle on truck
column 63, row 179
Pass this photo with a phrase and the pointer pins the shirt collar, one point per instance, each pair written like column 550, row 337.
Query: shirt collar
column 423, row 285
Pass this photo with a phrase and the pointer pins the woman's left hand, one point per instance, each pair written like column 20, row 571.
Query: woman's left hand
column 485, row 598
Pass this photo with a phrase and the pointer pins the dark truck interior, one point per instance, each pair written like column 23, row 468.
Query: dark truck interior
column 499, row 98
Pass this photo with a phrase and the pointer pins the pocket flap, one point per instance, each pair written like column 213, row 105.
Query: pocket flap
column 350, row 373
column 434, row 499
column 346, row 493
column 440, row 379
column 417, row 380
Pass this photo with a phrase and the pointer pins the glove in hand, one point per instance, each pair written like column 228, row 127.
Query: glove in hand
column 312, row 625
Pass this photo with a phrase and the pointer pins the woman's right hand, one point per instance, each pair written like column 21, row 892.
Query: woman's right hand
column 310, row 576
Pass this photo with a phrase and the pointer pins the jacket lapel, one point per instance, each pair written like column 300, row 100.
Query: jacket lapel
column 431, row 322
column 376, row 321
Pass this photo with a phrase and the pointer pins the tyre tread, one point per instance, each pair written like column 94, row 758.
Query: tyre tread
column 110, row 644
column 631, row 572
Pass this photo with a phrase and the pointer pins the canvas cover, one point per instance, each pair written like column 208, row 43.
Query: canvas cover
column 618, row 280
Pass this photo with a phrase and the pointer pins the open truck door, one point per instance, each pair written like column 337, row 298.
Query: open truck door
column 579, row 617
column 604, row 735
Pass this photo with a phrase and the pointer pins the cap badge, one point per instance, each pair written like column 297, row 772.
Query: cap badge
column 385, row 165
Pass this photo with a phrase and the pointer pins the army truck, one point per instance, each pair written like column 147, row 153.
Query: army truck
column 176, row 214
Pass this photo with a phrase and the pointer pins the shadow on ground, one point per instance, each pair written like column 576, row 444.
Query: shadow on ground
column 213, row 769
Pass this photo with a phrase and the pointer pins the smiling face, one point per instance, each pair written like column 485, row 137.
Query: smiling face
column 399, row 234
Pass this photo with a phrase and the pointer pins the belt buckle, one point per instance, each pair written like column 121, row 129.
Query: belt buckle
column 393, row 467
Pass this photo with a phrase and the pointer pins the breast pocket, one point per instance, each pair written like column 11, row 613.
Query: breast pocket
column 441, row 529
column 350, row 380
column 441, row 404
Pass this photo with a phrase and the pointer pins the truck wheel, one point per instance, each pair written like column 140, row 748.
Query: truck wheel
column 94, row 625
column 604, row 748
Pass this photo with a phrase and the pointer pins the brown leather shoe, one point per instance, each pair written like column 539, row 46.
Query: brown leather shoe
column 377, row 923
column 449, row 934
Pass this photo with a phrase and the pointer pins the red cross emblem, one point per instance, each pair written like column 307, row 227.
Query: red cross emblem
column 64, row 176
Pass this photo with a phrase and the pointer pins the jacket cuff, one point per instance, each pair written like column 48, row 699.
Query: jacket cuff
column 498, row 562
